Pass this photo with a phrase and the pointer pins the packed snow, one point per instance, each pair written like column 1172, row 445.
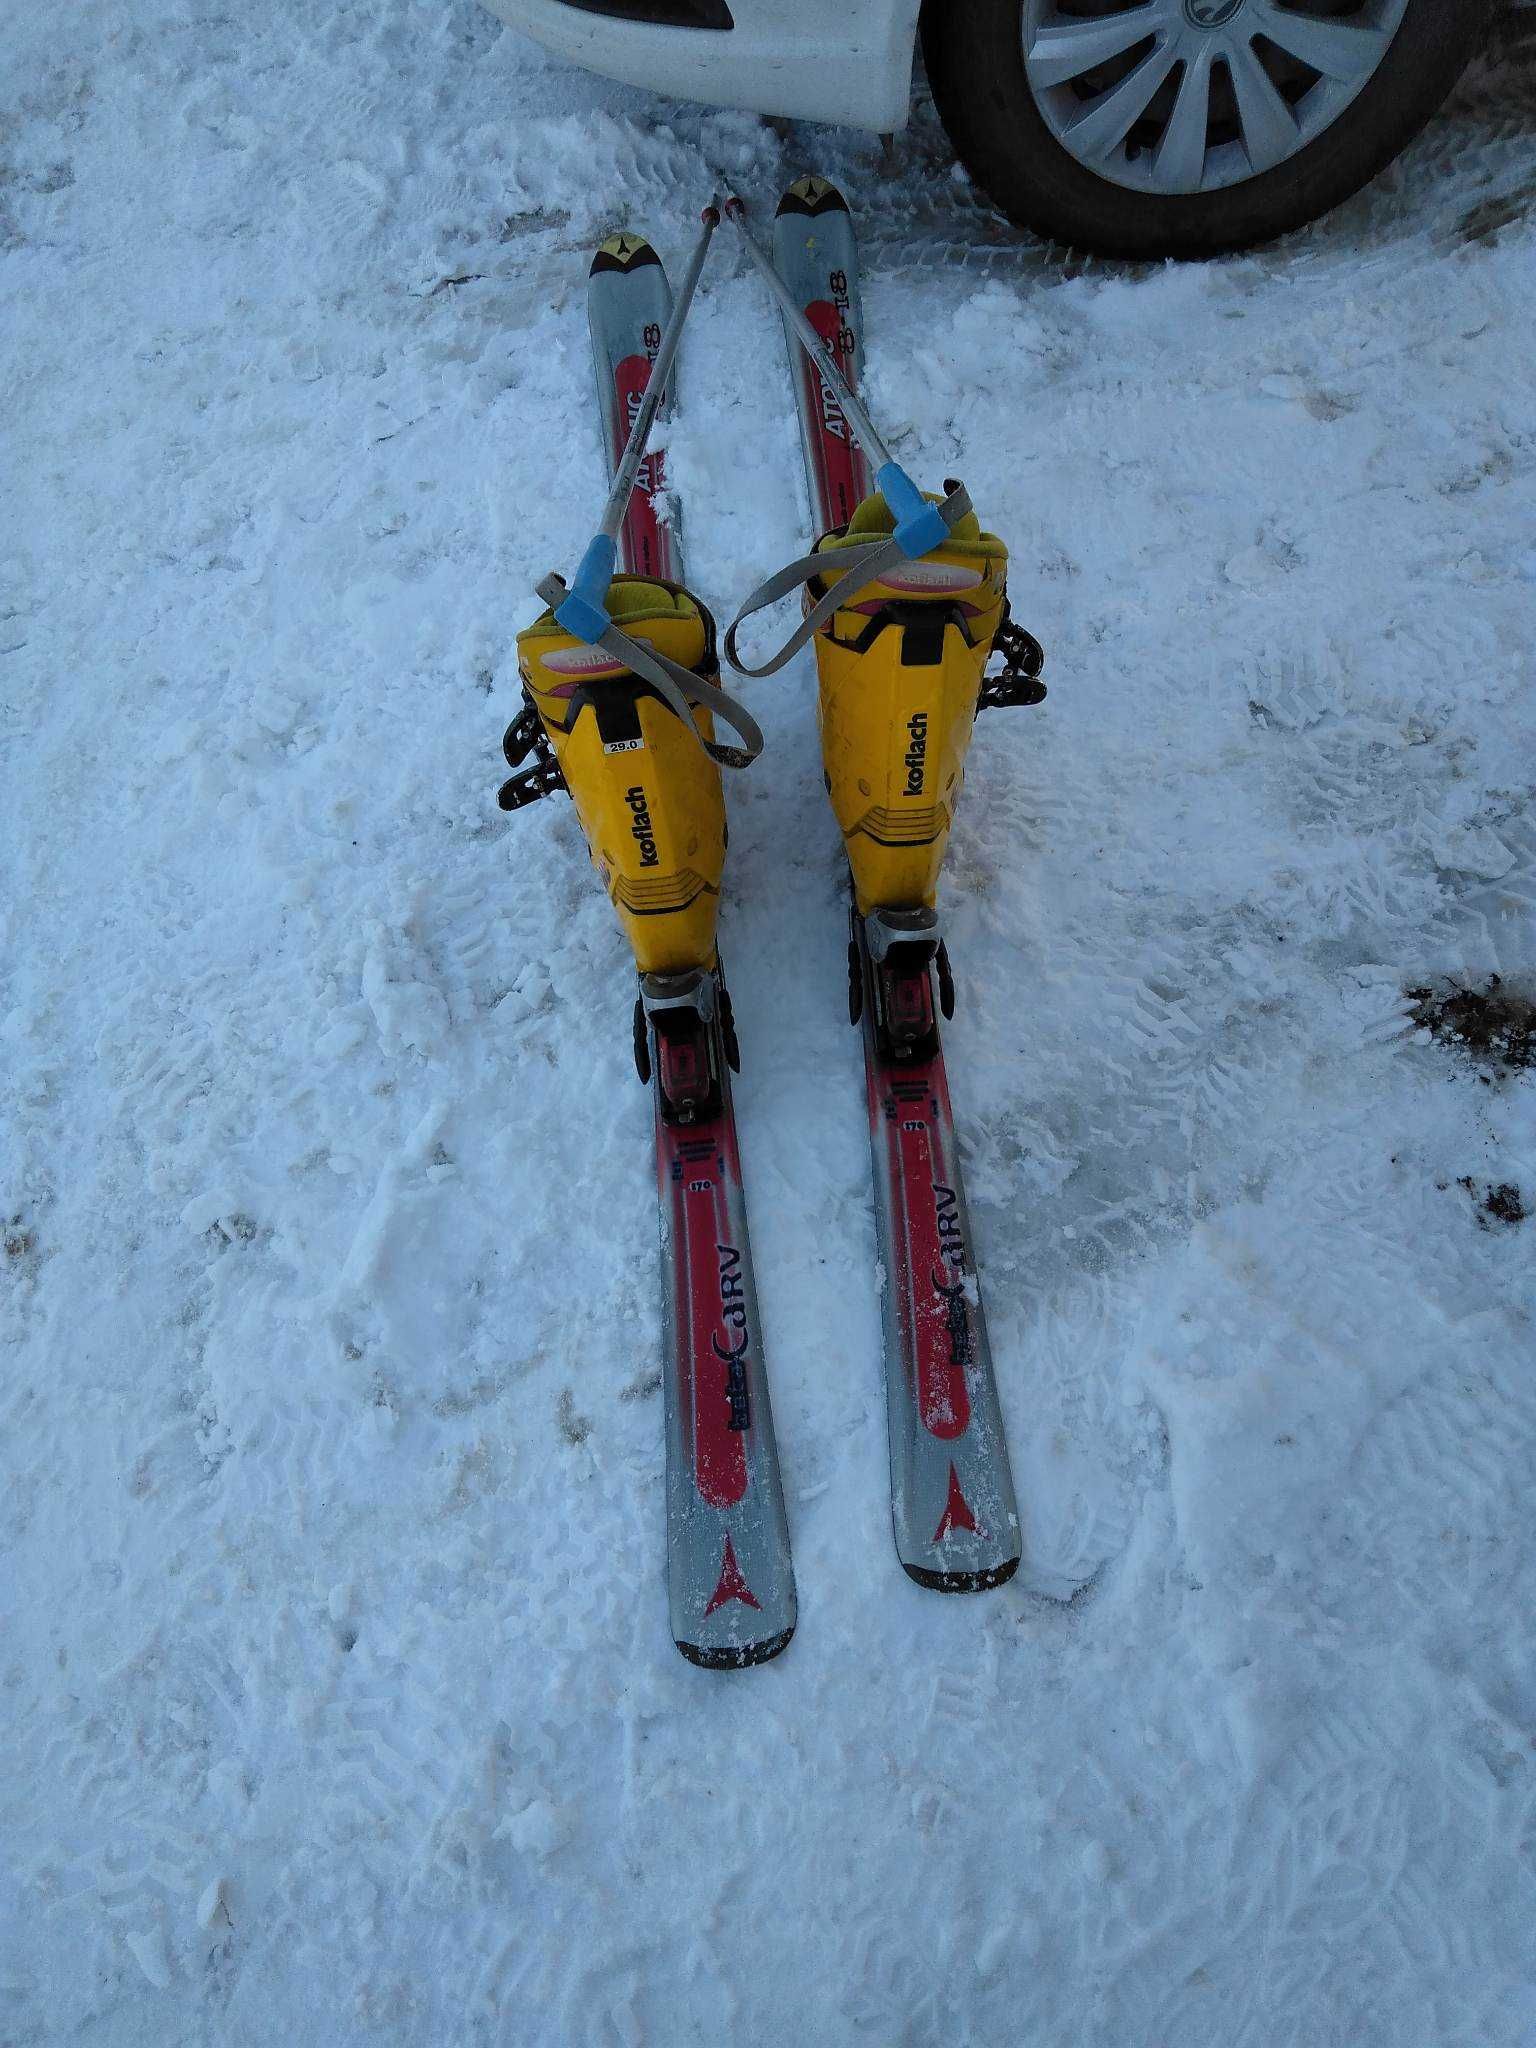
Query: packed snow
column 340, row 1704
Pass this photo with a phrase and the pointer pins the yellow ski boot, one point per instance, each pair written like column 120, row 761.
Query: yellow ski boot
column 900, row 665
column 902, row 645
column 628, row 728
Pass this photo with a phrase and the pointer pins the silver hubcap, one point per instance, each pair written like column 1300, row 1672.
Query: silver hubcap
column 1189, row 95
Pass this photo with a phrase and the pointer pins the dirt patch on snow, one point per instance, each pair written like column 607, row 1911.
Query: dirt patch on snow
column 1493, row 1026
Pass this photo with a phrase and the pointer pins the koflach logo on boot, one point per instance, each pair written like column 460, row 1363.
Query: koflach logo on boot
column 640, row 825
column 917, row 752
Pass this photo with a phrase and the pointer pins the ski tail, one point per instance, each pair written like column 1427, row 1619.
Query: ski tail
column 628, row 301
column 731, row 1581
column 953, row 1509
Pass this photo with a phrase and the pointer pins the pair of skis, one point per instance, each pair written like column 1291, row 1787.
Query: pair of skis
column 730, row 1575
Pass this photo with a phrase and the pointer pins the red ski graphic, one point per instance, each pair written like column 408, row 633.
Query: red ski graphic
column 732, row 1585
column 713, row 1358
column 843, row 476
column 930, row 1250
column 957, row 1511
column 647, row 541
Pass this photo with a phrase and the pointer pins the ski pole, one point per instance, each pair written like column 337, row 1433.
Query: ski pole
column 919, row 525
column 584, row 611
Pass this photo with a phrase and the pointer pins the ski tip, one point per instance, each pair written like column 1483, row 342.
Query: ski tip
column 736, row 1656
column 962, row 1582
column 623, row 252
column 812, row 195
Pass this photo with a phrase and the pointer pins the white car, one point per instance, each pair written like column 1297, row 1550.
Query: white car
column 1130, row 127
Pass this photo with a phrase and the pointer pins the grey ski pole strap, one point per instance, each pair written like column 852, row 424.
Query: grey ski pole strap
column 864, row 563
column 678, row 687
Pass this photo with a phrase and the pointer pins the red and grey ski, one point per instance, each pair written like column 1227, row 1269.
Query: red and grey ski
column 952, row 1500
column 731, row 1584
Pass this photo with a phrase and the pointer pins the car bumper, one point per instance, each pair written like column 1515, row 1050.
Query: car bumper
column 802, row 58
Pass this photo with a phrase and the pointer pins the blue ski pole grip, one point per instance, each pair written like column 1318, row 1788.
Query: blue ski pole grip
column 920, row 525
column 585, row 611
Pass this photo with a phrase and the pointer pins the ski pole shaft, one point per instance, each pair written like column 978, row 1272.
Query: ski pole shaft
column 584, row 611
column 919, row 529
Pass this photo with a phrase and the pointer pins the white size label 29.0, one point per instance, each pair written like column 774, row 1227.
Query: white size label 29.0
column 622, row 746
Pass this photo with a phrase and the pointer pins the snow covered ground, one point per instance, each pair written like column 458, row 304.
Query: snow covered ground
column 339, row 1702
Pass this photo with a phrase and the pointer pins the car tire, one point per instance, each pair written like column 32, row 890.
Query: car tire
column 975, row 58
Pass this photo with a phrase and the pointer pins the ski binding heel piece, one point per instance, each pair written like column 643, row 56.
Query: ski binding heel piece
column 903, row 946
column 681, row 1012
